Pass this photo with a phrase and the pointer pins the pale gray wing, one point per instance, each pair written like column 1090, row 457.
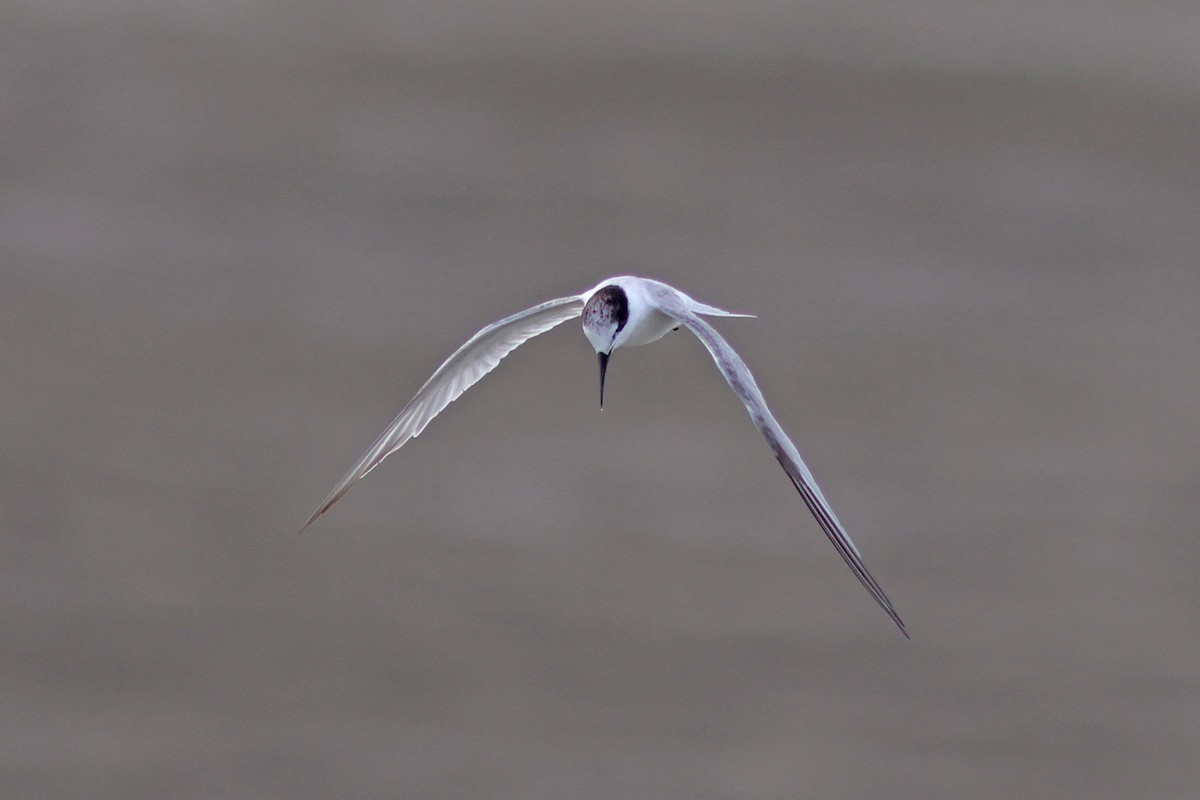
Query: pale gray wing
column 459, row 372
column 742, row 382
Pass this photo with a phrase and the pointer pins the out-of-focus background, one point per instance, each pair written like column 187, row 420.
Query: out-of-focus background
column 236, row 237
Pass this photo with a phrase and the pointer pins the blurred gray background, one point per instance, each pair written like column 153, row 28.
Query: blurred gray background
column 235, row 237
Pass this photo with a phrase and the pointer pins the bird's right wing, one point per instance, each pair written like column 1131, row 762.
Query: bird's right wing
column 472, row 361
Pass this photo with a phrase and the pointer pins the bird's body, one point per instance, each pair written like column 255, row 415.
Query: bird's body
column 619, row 312
column 645, row 323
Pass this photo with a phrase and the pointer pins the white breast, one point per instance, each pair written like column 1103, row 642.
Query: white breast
column 646, row 323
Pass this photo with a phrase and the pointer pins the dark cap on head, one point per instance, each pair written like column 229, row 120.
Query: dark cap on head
column 608, row 304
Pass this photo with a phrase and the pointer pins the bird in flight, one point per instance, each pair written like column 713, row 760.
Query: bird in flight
column 619, row 312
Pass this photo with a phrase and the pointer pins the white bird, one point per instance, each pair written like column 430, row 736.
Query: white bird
column 619, row 312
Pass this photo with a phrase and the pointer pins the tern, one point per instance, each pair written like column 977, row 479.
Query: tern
column 619, row 312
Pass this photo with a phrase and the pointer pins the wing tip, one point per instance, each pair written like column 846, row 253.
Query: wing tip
column 314, row 516
column 338, row 494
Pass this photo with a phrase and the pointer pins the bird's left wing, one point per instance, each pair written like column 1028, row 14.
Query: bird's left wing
column 738, row 376
column 459, row 372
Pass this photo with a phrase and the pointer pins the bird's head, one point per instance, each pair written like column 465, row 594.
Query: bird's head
column 604, row 317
